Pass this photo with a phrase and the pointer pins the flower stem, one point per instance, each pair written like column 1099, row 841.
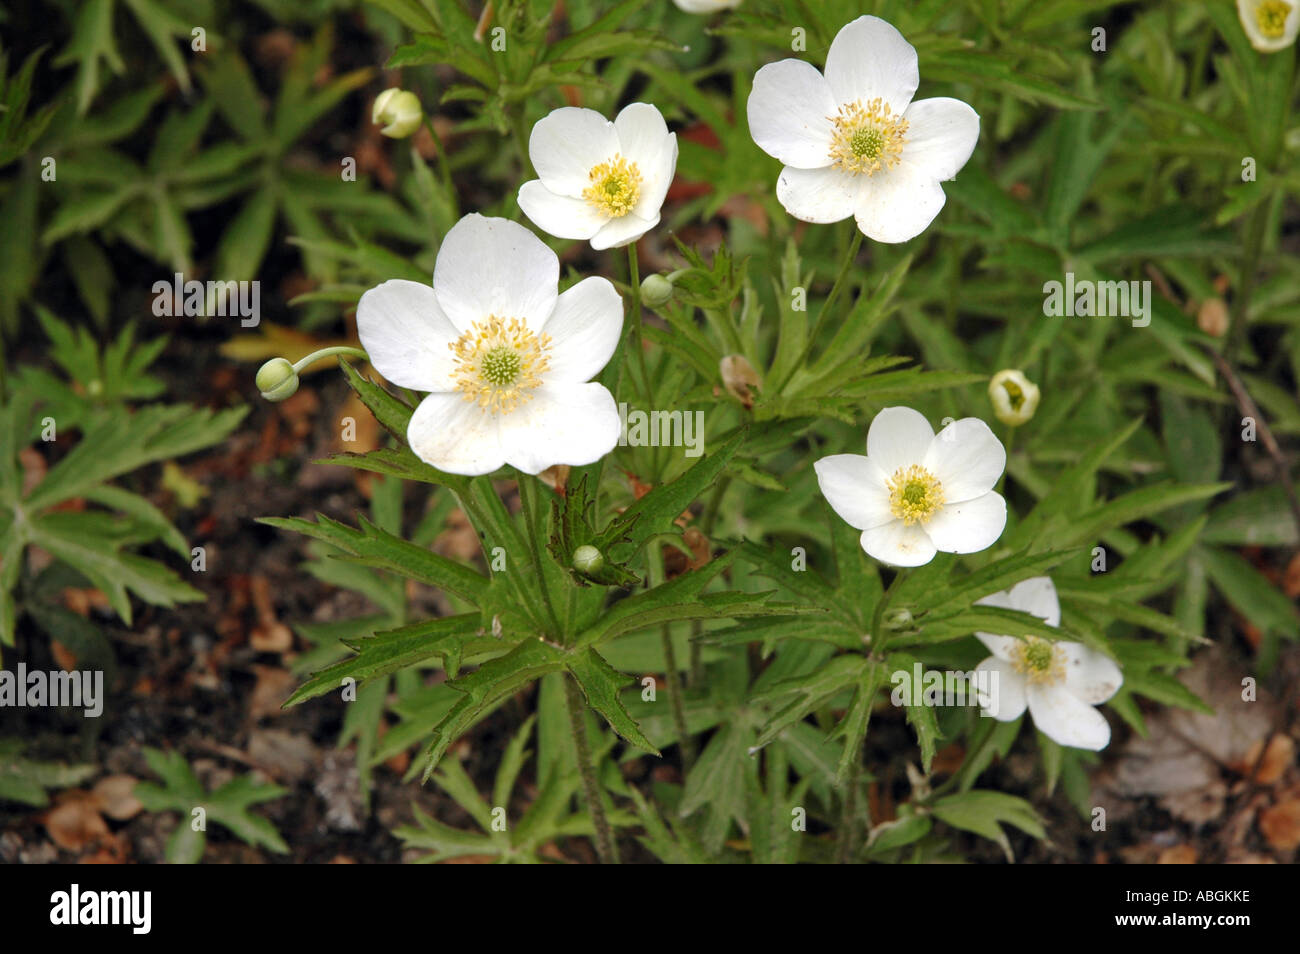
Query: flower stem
column 854, row 247
column 528, row 501
column 847, row 836
column 634, row 280
column 1255, row 229
column 328, row 353
column 444, row 170
column 605, row 847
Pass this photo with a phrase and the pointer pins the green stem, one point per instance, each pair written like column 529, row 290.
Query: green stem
column 528, row 501
column 1255, row 230
column 444, row 170
column 877, row 634
column 634, row 280
column 854, row 247
column 676, row 703
column 847, row 836
column 605, row 846
column 328, row 353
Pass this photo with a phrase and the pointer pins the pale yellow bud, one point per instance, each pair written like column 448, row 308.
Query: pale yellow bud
column 399, row 112
column 1014, row 397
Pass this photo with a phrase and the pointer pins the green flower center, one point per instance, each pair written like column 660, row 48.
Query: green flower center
column 867, row 143
column 501, row 366
column 1014, row 394
column 915, row 494
column 1271, row 16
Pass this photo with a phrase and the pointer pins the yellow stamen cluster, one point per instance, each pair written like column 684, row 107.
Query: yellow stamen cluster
column 868, row 138
column 1271, row 16
column 915, row 494
column 499, row 363
column 615, row 186
column 1041, row 662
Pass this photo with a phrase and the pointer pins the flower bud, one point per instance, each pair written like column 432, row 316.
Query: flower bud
column 656, row 291
column 399, row 112
column 277, row 380
column 900, row 618
column 739, row 378
column 588, row 560
column 1212, row 317
column 1014, row 397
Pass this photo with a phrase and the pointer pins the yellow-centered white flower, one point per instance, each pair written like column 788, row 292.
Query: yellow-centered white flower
column 599, row 181
column 1270, row 25
column 853, row 141
column 917, row 492
column 506, row 360
column 1058, row 681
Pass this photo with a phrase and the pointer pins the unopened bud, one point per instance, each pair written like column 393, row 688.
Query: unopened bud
column 1212, row 317
column 656, row 290
column 398, row 111
column 277, row 380
column 588, row 560
column 739, row 377
column 900, row 618
column 1014, row 397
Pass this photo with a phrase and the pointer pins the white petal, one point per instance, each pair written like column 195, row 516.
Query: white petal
column 644, row 138
column 967, row 458
column 490, row 266
column 898, row 544
column 1247, row 12
column 455, row 435
column 584, row 330
column 622, row 231
column 1004, row 647
column 1090, row 675
column 969, row 526
column 1066, row 719
column 941, row 135
column 897, row 204
column 898, row 437
column 707, row 6
column 571, row 424
column 855, row 489
column 559, row 215
column 817, row 195
column 1005, row 699
column 566, row 143
column 790, row 110
column 1037, row 595
column 870, row 58
column 406, row 335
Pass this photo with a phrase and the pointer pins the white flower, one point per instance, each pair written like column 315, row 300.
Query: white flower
column 916, row 492
column 853, row 142
column 707, row 6
column 599, row 180
column 506, row 360
column 1059, row 682
column 1270, row 25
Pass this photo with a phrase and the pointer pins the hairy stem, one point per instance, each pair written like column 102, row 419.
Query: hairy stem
column 824, row 313
column 605, row 847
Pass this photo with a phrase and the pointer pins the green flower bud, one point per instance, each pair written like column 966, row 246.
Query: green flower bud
column 398, row 111
column 898, row 619
column 588, row 560
column 277, row 380
column 1014, row 397
column 656, row 290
